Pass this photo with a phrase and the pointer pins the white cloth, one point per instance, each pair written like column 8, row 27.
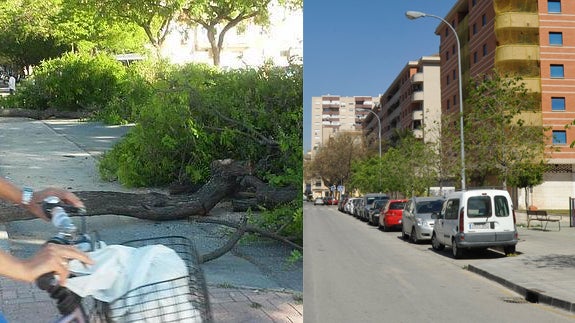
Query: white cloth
column 120, row 269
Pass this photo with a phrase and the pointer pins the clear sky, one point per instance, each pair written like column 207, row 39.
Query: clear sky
column 358, row 47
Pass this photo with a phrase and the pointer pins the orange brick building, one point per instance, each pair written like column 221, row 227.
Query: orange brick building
column 536, row 40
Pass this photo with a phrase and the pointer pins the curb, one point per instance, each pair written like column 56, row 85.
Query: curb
column 530, row 295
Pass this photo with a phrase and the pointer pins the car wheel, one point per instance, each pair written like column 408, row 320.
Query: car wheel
column 457, row 252
column 413, row 236
column 404, row 235
column 435, row 244
column 509, row 250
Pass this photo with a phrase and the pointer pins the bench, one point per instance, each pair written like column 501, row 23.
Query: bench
column 542, row 216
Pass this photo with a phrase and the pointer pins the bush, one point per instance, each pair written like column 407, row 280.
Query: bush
column 72, row 82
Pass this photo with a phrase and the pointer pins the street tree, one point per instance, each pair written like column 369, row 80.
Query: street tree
column 526, row 175
column 218, row 17
column 502, row 128
column 333, row 162
column 155, row 17
column 26, row 33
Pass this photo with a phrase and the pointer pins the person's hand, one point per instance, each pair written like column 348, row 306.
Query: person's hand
column 52, row 258
column 67, row 197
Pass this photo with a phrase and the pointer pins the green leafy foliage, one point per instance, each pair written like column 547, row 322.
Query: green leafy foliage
column 73, row 82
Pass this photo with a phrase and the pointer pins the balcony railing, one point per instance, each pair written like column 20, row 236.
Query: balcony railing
column 417, row 96
column 417, row 78
column 517, row 20
column 517, row 52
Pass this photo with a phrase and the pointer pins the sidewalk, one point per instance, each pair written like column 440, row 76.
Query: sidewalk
column 62, row 153
column 544, row 269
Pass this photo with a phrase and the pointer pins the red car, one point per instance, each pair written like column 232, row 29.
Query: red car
column 390, row 217
column 330, row 201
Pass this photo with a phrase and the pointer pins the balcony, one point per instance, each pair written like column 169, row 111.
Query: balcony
column 417, row 96
column 517, row 53
column 417, row 78
column 417, row 115
column 516, row 20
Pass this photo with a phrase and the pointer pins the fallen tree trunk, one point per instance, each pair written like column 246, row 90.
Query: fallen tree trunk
column 227, row 178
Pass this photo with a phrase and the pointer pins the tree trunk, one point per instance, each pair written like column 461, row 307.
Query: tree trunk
column 227, row 178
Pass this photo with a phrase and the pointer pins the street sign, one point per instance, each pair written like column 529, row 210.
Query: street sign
column 332, row 188
column 340, row 188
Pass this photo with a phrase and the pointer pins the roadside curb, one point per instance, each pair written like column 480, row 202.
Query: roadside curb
column 530, row 295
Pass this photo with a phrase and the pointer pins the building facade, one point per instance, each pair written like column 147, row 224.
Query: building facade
column 412, row 102
column 534, row 39
column 331, row 115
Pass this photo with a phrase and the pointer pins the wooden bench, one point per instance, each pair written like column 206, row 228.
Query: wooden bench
column 542, row 216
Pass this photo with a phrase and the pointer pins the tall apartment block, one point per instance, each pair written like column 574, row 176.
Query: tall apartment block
column 536, row 40
column 332, row 114
column 411, row 102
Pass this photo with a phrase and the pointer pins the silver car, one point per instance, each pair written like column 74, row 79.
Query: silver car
column 417, row 223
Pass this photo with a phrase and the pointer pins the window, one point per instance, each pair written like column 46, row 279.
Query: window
column 446, row 31
column 556, row 38
column 454, row 75
column 448, row 105
column 483, row 20
column 475, row 57
column 554, row 6
column 484, row 50
column 557, row 104
column 479, row 207
column 557, row 71
column 447, row 79
column 455, row 100
column 559, row 137
column 473, row 3
column 453, row 49
column 501, row 206
column 446, row 56
column 451, row 209
column 474, row 29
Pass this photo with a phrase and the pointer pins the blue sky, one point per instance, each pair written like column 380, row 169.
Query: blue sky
column 358, row 47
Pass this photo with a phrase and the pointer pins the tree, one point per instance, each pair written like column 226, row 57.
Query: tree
column 153, row 16
column 333, row 162
column 218, row 17
column 526, row 175
column 501, row 128
column 26, row 31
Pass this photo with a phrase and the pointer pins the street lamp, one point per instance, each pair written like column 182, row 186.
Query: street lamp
column 379, row 138
column 416, row 14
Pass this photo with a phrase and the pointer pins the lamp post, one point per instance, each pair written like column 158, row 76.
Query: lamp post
column 379, row 138
column 416, row 14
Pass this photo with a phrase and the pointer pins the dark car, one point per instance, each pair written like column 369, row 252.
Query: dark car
column 373, row 218
column 367, row 204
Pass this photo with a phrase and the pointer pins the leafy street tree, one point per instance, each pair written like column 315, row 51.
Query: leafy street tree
column 26, row 33
column 526, row 175
column 502, row 130
column 333, row 162
column 220, row 16
column 409, row 168
column 153, row 16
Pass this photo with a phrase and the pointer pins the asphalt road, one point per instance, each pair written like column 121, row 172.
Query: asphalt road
column 355, row 273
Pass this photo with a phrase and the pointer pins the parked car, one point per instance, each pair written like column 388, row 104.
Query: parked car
column 367, row 204
column 341, row 203
column 349, row 206
column 357, row 206
column 331, row 200
column 416, row 221
column 390, row 217
column 476, row 219
column 378, row 205
column 318, row 201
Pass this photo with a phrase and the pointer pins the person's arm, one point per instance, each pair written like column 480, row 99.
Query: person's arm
column 52, row 257
column 11, row 193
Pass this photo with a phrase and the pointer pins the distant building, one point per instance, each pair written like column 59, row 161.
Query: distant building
column 412, row 102
column 533, row 39
column 333, row 113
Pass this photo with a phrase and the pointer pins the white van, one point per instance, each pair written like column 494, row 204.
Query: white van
column 475, row 219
